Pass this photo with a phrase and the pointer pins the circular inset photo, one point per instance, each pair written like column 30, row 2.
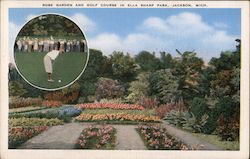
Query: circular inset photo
column 51, row 52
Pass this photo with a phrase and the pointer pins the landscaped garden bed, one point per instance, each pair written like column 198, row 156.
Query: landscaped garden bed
column 64, row 113
column 97, row 138
column 157, row 138
column 117, row 115
column 110, row 106
column 22, row 129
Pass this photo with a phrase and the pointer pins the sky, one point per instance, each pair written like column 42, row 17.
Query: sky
column 206, row 31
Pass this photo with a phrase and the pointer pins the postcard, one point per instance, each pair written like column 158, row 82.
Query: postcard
column 124, row 79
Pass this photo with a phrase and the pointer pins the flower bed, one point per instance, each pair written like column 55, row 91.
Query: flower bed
column 48, row 103
column 97, row 138
column 18, row 102
column 110, row 106
column 157, row 138
column 29, row 122
column 117, row 117
column 19, row 135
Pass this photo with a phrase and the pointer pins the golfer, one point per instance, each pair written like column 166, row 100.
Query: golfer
column 48, row 59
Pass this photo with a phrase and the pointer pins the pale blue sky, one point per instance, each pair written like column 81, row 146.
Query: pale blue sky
column 207, row 31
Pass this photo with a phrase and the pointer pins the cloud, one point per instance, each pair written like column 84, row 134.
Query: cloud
column 185, row 31
column 85, row 23
column 220, row 25
column 31, row 16
column 107, row 42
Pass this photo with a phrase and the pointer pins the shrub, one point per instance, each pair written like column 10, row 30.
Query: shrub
column 62, row 113
column 163, row 109
column 175, row 117
column 18, row 102
column 108, row 88
column 228, row 130
column 28, row 122
column 148, row 103
column 186, row 120
column 198, row 106
column 228, row 123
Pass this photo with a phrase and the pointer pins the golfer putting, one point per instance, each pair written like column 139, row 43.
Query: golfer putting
column 48, row 60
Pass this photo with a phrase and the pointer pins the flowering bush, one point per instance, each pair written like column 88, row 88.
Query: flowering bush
column 28, row 122
column 117, row 117
column 19, row 135
column 110, row 106
column 162, row 110
column 148, row 103
column 18, row 102
column 48, row 103
column 97, row 138
column 157, row 138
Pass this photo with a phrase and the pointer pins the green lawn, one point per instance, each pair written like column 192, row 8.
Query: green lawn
column 66, row 68
column 215, row 140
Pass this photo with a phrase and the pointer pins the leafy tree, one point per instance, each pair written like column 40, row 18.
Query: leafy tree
column 97, row 66
column 50, row 25
column 166, row 60
column 147, row 61
column 227, row 61
column 164, row 85
column 139, row 88
column 123, row 66
column 187, row 68
column 108, row 88
column 16, row 89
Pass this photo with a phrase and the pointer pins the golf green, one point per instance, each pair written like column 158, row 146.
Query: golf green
column 66, row 68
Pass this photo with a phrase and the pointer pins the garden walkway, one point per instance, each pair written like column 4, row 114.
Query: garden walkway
column 65, row 137
column 56, row 137
column 188, row 138
column 128, row 138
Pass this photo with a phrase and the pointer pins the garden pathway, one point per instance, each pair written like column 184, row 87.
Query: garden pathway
column 188, row 138
column 65, row 137
column 128, row 138
column 56, row 137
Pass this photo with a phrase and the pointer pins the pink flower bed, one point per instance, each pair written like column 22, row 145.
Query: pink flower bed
column 110, row 106
column 48, row 103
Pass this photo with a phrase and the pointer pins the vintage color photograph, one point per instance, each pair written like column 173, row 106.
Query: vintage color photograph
column 156, row 79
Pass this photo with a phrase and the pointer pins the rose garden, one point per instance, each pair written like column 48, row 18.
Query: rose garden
column 158, row 99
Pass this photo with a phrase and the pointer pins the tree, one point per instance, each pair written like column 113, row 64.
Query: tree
column 165, row 86
column 108, row 88
column 139, row 88
column 16, row 89
column 187, row 68
column 97, row 67
column 147, row 61
column 123, row 67
column 166, row 60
